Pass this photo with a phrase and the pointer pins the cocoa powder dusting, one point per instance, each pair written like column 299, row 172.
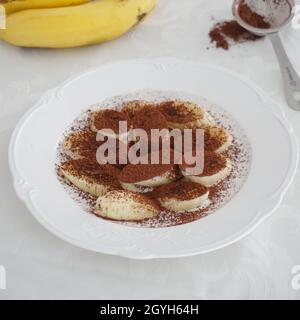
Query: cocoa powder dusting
column 148, row 116
column 142, row 172
column 180, row 190
column 108, row 119
column 223, row 34
column 213, row 163
column 177, row 111
column 211, row 143
column 83, row 143
column 92, row 171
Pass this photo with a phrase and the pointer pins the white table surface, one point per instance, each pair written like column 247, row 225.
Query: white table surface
column 40, row 266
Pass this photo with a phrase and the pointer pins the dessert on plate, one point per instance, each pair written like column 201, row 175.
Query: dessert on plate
column 149, row 184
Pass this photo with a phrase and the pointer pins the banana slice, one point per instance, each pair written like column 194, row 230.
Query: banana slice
column 216, row 168
column 217, row 139
column 144, row 177
column 182, row 196
column 91, row 177
column 81, row 144
column 126, row 206
column 185, row 115
column 148, row 185
column 134, row 106
column 110, row 119
column 149, row 118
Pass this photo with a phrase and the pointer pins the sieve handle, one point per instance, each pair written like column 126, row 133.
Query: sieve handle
column 291, row 79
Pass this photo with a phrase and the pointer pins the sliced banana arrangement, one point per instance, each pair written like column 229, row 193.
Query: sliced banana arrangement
column 137, row 192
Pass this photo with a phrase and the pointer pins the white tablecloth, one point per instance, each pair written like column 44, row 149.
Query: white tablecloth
column 40, row 266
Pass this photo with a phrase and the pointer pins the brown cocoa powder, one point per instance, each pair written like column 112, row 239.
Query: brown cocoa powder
column 109, row 119
column 252, row 18
column 149, row 118
column 142, row 172
column 111, row 175
column 91, row 170
column 176, row 112
column 180, row 190
column 84, row 143
column 211, row 143
column 223, row 34
column 213, row 163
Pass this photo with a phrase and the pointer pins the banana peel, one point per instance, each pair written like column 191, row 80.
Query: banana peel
column 74, row 26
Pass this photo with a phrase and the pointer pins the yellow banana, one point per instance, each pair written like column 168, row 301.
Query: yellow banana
column 18, row 5
column 74, row 26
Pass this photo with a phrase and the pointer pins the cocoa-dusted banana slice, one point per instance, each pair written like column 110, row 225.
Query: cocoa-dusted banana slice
column 182, row 196
column 139, row 177
column 216, row 168
column 109, row 119
column 81, row 144
column 156, row 171
column 217, row 139
column 134, row 106
column 91, row 177
column 149, row 118
column 184, row 115
column 124, row 205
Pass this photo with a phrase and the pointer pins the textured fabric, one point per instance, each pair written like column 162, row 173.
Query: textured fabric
column 39, row 266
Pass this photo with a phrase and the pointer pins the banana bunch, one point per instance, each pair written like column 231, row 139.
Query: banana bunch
column 18, row 5
column 70, row 23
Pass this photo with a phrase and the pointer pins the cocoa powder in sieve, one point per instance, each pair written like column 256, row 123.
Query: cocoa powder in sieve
column 223, row 34
column 252, row 18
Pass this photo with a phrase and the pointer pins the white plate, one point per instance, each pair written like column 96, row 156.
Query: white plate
column 32, row 156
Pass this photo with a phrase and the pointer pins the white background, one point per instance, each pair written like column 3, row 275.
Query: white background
column 40, row 266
